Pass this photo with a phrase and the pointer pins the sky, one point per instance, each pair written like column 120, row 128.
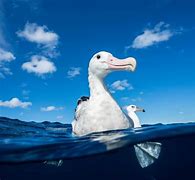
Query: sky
column 46, row 45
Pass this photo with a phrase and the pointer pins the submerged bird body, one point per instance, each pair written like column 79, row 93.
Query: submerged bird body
column 148, row 152
column 101, row 112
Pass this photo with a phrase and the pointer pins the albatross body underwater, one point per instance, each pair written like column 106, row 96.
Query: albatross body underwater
column 146, row 152
column 100, row 112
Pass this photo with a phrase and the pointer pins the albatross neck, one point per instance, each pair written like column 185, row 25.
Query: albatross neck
column 97, row 87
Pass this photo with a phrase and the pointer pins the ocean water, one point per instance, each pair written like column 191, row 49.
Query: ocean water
column 30, row 150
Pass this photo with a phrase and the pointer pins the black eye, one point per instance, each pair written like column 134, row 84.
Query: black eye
column 98, row 56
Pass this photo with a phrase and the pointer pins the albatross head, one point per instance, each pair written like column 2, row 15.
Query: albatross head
column 134, row 108
column 103, row 63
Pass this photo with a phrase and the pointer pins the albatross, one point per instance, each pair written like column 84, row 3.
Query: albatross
column 131, row 110
column 100, row 112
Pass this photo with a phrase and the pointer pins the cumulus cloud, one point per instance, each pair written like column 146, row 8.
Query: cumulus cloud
column 120, row 86
column 51, row 108
column 38, row 34
column 73, row 71
column 39, row 65
column 15, row 102
column 6, row 56
column 41, row 35
column 149, row 37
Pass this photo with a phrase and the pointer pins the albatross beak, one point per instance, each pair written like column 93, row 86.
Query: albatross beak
column 140, row 109
column 121, row 64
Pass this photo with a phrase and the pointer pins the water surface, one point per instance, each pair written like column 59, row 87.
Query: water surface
column 30, row 150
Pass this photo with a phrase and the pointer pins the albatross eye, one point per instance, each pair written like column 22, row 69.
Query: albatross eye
column 98, row 56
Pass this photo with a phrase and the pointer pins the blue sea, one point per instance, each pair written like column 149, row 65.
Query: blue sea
column 32, row 151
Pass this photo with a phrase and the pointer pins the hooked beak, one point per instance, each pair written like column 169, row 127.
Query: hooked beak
column 138, row 109
column 121, row 64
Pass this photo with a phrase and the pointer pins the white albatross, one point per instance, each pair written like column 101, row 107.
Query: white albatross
column 100, row 112
column 148, row 152
column 131, row 109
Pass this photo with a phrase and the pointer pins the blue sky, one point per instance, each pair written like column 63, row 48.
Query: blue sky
column 45, row 47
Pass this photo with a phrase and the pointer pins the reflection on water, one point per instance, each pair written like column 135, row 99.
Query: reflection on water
column 111, row 140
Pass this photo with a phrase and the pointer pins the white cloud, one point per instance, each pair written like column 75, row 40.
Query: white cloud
column 15, row 102
column 6, row 56
column 47, row 40
column 73, row 71
column 38, row 34
column 159, row 33
column 51, row 108
column 39, row 65
column 120, row 85
column 4, row 71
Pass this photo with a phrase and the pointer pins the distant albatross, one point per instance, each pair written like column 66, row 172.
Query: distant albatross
column 100, row 112
column 131, row 109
